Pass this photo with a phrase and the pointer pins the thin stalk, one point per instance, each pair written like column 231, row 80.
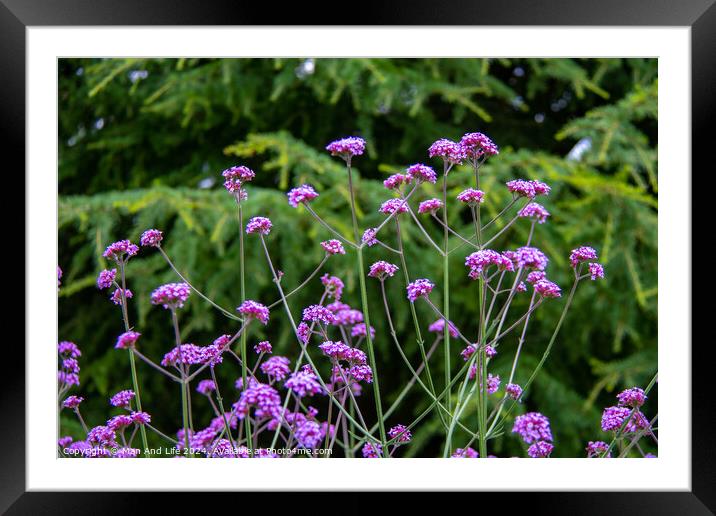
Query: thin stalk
column 184, row 400
column 366, row 315
column 446, row 292
column 242, row 276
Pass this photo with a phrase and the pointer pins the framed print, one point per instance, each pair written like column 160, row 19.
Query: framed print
column 423, row 237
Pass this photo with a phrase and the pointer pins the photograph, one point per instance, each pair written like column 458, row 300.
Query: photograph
column 357, row 257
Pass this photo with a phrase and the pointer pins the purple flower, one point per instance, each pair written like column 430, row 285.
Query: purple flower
column 393, row 206
column 260, row 225
column 490, row 352
column 372, row 450
column 334, row 286
column 301, row 194
column 531, row 258
column 396, row 181
column 141, row 418
column 263, row 347
column 308, row 433
column 171, row 295
column 333, row 247
column 448, row 150
column 359, row 330
column 582, row 254
column 101, row 436
column 347, row 147
column 318, row 313
column 117, row 250
column 187, row 354
column 368, row 237
column 439, row 328
column 382, row 270
column 106, row 278
column 64, row 442
column 206, row 387
column 304, row 383
column 633, row 397
column 477, row 145
column 596, row 270
column 493, row 383
column 467, row 453
column 532, row 427
column 122, row 398
column 521, row 287
column 254, row 310
column 419, row 288
column 119, row 422
column 480, row 260
column 400, row 433
column 116, row 296
column 127, row 340
column 421, row 173
column 348, row 317
column 529, row 189
column 595, row 449
column 341, row 351
column 546, row 288
column 276, row 368
column 535, row 276
column 264, row 398
column 471, row 196
column 151, row 238
column 540, row 450
column 468, row 352
column 613, row 418
column 235, row 177
column 304, row 332
column 535, row 211
column 513, row 390
column 68, row 348
column 361, row 373
column 72, row 402
column 430, row 206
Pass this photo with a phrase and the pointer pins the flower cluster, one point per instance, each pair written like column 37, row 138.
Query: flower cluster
column 419, row 288
column 301, row 194
column 382, row 270
column 254, row 310
column 260, row 225
column 235, row 177
column 171, row 295
column 151, row 238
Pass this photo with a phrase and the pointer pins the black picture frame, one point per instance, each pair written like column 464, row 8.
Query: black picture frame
column 699, row 15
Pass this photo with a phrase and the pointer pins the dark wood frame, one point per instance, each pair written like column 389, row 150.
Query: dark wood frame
column 699, row 15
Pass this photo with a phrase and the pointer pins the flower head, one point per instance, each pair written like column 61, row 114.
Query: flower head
column 467, row 453
column 263, row 347
column 333, row 247
column 187, row 354
column 264, row 398
column 334, row 285
column 254, row 310
column 596, row 270
column 419, row 288
column 276, row 367
column 393, row 206
column 140, row 418
column 68, row 348
column 382, row 270
column 471, row 196
column 361, row 373
column 534, row 276
column 127, row 340
column 260, row 225
column 421, row 173
column 303, row 332
column 614, row 417
column 540, row 450
column 546, row 288
column 118, row 250
column 171, row 295
column 480, row 260
column 372, row 450
column 359, row 330
column 72, row 402
column 477, row 145
column 301, row 194
column 348, row 317
column 529, row 189
column 400, row 433
column 596, row 449
column 439, row 328
column 117, row 295
column 346, row 148
column 396, row 181
column 368, row 237
column 318, row 313
column 105, row 279
column 235, row 177
column 206, row 387
column 532, row 427
column 531, row 258
column 448, row 150
column 304, row 383
column 513, row 390
column 122, row 398
column 534, row 211
column 582, row 254
column 430, row 206
column 151, row 238
column 633, row 397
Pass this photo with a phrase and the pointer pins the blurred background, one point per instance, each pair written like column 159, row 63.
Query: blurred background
column 142, row 143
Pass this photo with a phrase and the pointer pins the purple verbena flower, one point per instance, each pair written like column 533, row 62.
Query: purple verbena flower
column 206, row 387
column 430, row 206
column 396, row 181
column 467, row 453
column 532, row 427
column 141, row 418
column 171, row 295
column 582, row 254
column 260, row 225
column 439, row 328
column 471, row 197
column 595, row 449
column 372, row 450
column 393, row 205
column 359, row 330
column 263, row 347
column 369, row 237
column 540, row 450
column 421, row 173
column 400, row 433
column 546, row 288
column 477, row 145
column 117, row 250
column 346, row 148
column 304, row 383
column 151, row 238
column 531, row 258
column 72, row 402
column 614, row 417
column 361, row 373
column 127, row 340
column 122, row 398
column 513, row 390
column 633, row 397
column 334, row 286
column 318, row 313
column 448, row 150
column 333, row 247
column 276, row 367
column 419, row 288
column 382, row 270
column 534, row 211
column 254, row 310
column 301, row 194
column 235, row 177
column 105, row 279
column 116, row 296
column 68, row 348
column 596, row 270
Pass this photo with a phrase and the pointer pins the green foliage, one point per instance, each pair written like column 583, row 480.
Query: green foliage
column 148, row 152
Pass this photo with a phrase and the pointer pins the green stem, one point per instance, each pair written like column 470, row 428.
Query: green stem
column 366, row 315
column 242, row 276
column 446, row 295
